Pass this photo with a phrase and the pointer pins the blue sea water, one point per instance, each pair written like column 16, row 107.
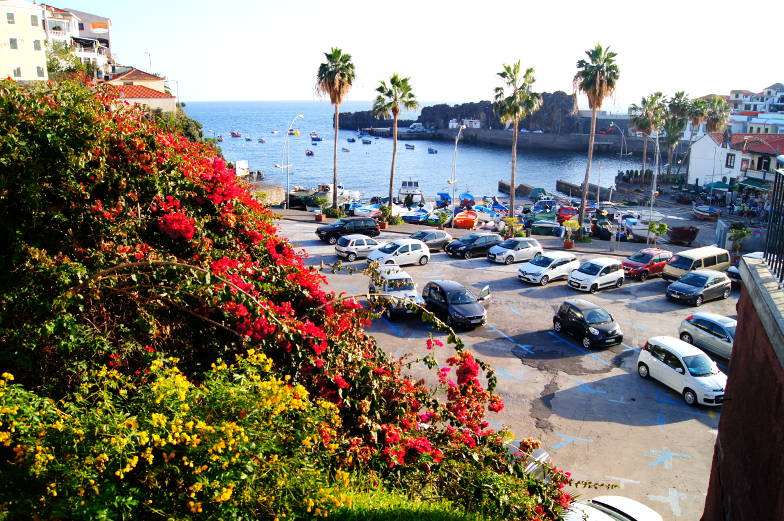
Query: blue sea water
column 366, row 167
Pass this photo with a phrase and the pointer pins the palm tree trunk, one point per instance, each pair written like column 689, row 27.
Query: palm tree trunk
column 394, row 153
column 644, row 156
column 688, row 150
column 513, row 186
column 670, row 152
column 584, row 197
column 335, row 159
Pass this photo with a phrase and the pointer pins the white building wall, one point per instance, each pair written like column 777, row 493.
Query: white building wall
column 27, row 61
column 708, row 162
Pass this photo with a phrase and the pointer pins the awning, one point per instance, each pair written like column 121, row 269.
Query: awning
column 717, row 184
column 757, row 184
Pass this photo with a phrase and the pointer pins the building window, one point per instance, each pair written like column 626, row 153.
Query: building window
column 10, row 18
column 730, row 163
column 127, row 83
column 17, row 72
column 12, row 43
column 81, row 26
column 34, row 20
column 37, row 45
column 40, row 71
column 766, row 130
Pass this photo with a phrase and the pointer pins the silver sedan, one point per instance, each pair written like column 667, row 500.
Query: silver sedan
column 515, row 249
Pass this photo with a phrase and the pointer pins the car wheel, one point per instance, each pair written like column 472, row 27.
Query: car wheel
column 619, row 283
column 332, row 239
column 643, row 276
column 557, row 326
column 423, row 260
column 689, row 396
column 508, row 260
column 467, row 255
column 642, row 370
column 726, row 294
column 351, row 257
column 389, row 262
column 699, row 300
column 586, row 342
column 594, row 288
column 687, row 338
column 544, row 280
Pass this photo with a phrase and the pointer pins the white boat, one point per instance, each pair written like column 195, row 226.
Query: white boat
column 411, row 188
column 325, row 190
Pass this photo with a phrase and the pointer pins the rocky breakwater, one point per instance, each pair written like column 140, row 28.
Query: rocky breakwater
column 365, row 119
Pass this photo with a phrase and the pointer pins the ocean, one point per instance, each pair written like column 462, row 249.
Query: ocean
column 366, row 167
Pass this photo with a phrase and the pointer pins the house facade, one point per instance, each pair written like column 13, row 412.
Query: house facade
column 712, row 159
column 142, row 95
column 86, row 34
column 134, row 76
column 22, row 41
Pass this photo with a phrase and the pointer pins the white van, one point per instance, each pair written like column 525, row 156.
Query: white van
column 401, row 252
column 598, row 273
column 706, row 258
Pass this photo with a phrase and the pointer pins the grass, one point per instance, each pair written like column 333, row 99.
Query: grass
column 383, row 505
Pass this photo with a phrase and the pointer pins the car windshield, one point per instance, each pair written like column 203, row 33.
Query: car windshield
column 683, row 263
column 700, row 365
column 590, row 268
column 419, row 235
column 468, row 239
column 343, row 241
column 509, row 244
column 597, row 316
column 542, row 261
column 400, row 285
column 692, row 279
column 460, row 296
column 389, row 247
column 339, row 222
column 640, row 257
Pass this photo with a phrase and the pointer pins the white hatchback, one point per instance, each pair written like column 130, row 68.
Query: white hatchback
column 548, row 266
column 683, row 368
column 516, row 249
column 401, row 252
column 611, row 508
column 598, row 273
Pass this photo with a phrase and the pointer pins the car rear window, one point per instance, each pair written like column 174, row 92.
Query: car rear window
column 344, row 241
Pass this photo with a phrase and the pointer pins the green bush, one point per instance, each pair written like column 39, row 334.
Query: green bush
column 395, row 220
column 334, row 213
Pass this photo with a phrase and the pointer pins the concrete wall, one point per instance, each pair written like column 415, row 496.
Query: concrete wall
column 165, row 104
column 25, row 56
column 748, row 459
column 707, row 162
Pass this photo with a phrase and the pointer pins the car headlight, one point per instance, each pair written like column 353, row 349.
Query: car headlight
column 593, row 331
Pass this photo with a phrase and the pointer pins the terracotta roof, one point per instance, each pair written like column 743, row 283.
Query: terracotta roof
column 775, row 86
column 138, row 92
column 136, row 74
column 758, row 143
column 748, row 113
column 741, row 91
column 56, row 9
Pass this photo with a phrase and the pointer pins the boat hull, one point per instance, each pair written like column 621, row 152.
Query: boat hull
column 706, row 213
column 683, row 234
column 465, row 220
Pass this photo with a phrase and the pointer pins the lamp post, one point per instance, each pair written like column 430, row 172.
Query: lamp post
column 623, row 143
column 655, row 173
column 286, row 156
column 453, row 181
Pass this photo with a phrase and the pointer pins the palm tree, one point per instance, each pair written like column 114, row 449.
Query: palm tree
column 596, row 77
column 334, row 79
column 646, row 118
column 717, row 114
column 514, row 101
column 698, row 111
column 391, row 97
column 675, row 118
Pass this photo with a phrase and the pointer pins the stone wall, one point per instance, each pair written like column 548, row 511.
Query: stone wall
column 364, row 119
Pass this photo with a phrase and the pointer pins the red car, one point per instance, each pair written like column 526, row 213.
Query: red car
column 566, row 213
column 646, row 262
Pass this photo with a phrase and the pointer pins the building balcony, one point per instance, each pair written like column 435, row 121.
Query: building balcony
column 760, row 174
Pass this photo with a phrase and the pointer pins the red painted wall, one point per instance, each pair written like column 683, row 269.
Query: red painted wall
column 747, row 477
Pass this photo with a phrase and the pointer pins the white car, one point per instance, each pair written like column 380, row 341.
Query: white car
column 398, row 290
column 598, row 273
column 547, row 267
column 710, row 331
column 401, row 252
column 684, row 368
column 515, row 249
column 355, row 246
column 611, row 508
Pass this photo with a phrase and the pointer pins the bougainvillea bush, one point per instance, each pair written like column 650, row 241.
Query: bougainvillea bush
column 165, row 354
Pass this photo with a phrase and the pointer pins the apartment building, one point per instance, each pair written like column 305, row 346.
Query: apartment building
column 22, row 41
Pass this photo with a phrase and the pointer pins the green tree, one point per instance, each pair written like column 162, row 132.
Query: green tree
column 596, row 77
column 391, row 98
column 738, row 233
column 515, row 101
column 676, row 116
column 647, row 118
column 698, row 111
column 334, row 79
column 61, row 62
column 717, row 114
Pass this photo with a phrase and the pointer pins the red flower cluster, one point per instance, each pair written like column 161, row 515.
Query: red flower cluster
column 177, row 226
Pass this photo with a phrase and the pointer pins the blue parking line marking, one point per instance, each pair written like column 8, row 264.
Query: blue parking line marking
column 569, row 440
column 628, row 347
column 507, row 337
column 662, row 398
column 665, row 457
column 526, row 348
column 595, row 356
column 585, row 387
column 392, row 326
column 515, row 311
column 504, row 374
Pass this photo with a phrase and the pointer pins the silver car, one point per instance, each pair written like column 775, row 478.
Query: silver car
column 712, row 332
column 515, row 249
column 356, row 246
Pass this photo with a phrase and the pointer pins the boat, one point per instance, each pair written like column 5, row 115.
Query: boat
column 434, row 219
column 325, row 191
column 467, row 200
column 567, row 212
column 276, row 131
column 682, row 234
column 220, row 139
column 545, row 227
column 351, row 140
column 444, row 200
column 466, row 219
column 706, row 213
column 431, row 150
column 409, row 147
column 485, row 213
column 262, row 140
column 309, row 153
column 417, row 216
column 314, row 136
column 539, row 193
column 369, row 210
column 544, row 205
column 293, row 132
column 345, row 149
column 235, row 134
column 410, row 188
column 366, row 141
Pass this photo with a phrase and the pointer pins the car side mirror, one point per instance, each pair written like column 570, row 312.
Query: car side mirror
column 680, row 370
column 484, row 295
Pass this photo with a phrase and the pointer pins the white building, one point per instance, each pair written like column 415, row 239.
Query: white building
column 713, row 160
column 22, row 41
column 469, row 123
column 86, row 34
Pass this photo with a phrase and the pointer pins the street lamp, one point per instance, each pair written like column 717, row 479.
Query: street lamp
column 623, row 143
column 286, row 159
column 655, row 173
column 453, row 181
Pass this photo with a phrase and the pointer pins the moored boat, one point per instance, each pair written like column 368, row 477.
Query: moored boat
column 706, row 213
column 235, row 134
column 309, row 153
column 314, row 136
column 276, row 131
column 683, row 234
column 220, row 139
column 293, row 132
column 366, row 141
column 431, row 150
column 466, row 219
column 262, row 140
column 410, row 188
column 345, row 149
column 545, row 227
column 351, row 140
column 370, row 210
column 417, row 216
column 409, row 147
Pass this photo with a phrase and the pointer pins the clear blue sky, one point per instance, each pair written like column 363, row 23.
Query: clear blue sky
column 452, row 50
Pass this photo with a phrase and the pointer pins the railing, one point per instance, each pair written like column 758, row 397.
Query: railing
column 759, row 174
column 774, row 243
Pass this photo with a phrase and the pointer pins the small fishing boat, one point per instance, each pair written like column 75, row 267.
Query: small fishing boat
column 467, row 200
column 248, row 139
column 544, row 205
column 262, row 140
column 276, row 131
column 543, row 227
column 409, row 147
column 444, row 200
column 466, row 219
column 345, row 149
column 706, row 213
column 410, row 188
column 366, row 141
column 309, row 153
column 293, row 132
column 484, row 213
column 369, row 210
column 235, row 134
column 352, row 140
column 683, row 234
column 220, row 139
column 431, row 150
column 567, row 212
column 434, row 219
column 417, row 216
column 314, row 136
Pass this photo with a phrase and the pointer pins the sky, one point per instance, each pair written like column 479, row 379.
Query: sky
column 452, row 50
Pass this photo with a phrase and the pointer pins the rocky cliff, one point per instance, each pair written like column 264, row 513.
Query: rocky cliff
column 364, row 119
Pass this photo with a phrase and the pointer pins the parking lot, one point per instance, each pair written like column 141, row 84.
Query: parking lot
column 592, row 412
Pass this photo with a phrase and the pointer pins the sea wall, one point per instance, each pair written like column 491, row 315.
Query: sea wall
column 365, row 119
column 522, row 190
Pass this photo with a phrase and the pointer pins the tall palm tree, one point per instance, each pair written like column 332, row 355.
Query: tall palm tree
column 334, row 79
column 391, row 97
column 698, row 111
column 717, row 114
column 515, row 101
column 675, row 118
column 646, row 118
column 596, row 77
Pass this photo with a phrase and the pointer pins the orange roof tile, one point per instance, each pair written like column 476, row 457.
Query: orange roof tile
column 758, row 143
column 136, row 74
column 138, row 92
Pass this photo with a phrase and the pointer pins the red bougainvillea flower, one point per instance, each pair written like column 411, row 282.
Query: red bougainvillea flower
column 177, row 225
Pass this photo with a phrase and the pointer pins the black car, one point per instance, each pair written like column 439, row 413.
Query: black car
column 347, row 226
column 700, row 285
column 473, row 245
column 455, row 304
column 590, row 323
column 435, row 239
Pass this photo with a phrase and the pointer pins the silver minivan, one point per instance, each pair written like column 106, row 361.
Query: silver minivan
column 355, row 246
